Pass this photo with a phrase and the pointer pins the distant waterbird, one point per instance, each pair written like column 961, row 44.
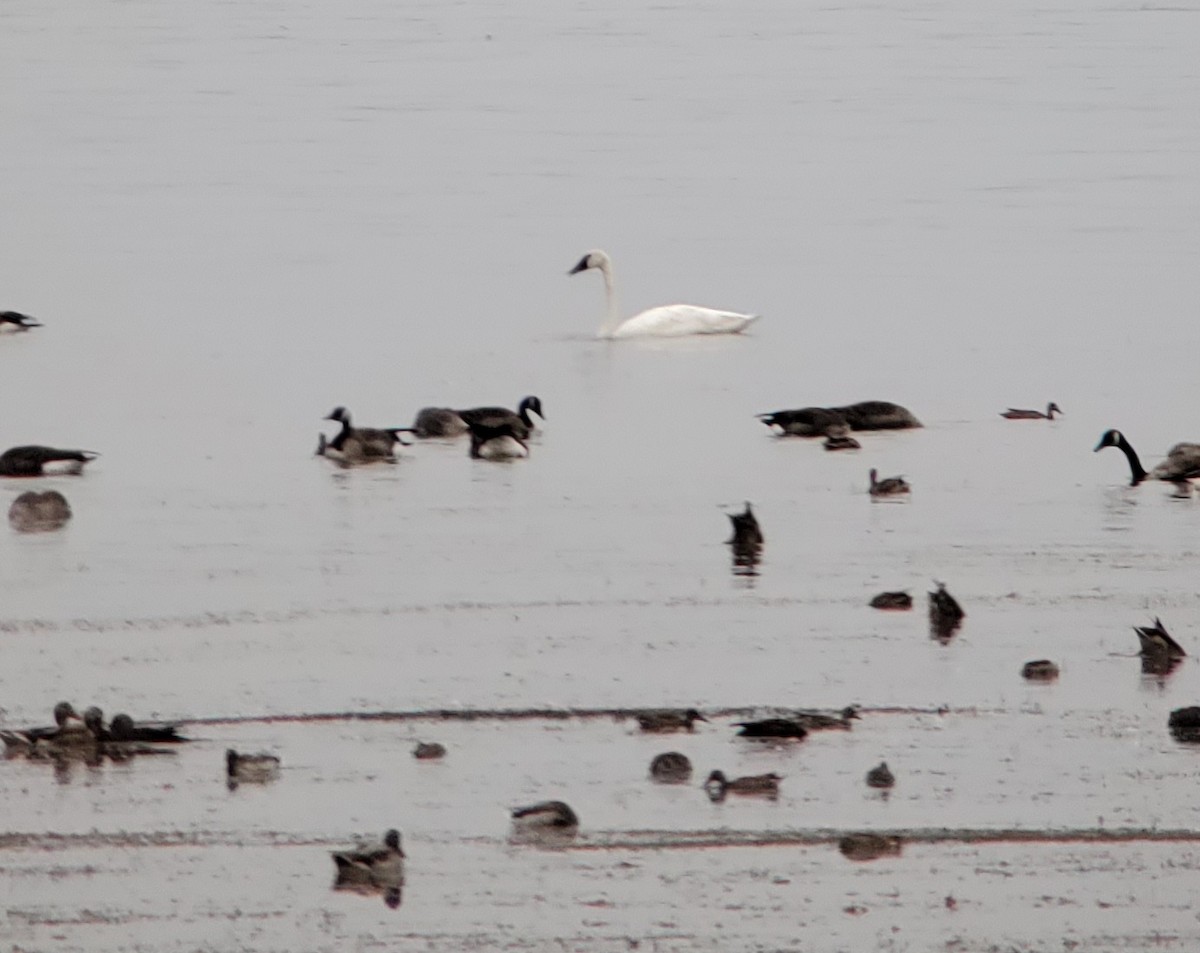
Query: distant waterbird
column 16, row 321
column 1014, row 413
column 890, row 486
column 671, row 767
column 760, row 785
column 892, row 601
column 34, row 461
column 1181, row 464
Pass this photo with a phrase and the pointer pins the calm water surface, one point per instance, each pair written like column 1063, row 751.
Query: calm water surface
column 233, row 217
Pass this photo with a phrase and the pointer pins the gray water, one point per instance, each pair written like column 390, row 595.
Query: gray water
column 233, row 217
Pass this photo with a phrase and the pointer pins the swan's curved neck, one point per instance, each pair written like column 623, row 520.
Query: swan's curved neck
column 613, row 314
column 1137, row 473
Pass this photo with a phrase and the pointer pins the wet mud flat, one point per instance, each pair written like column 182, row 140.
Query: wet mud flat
column 158, row 853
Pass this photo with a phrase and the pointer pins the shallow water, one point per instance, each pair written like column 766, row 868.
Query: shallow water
column 232, row 218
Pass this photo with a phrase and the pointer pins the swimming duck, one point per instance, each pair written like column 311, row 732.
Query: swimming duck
column 671, row 767
column 841, row 442
column 891, row 486
column 444, row 422
column 552, row 815
column 33, row 512
column 771, row 728
column 250, row 768
column 880, row 776
column 361, row 444
column 868, row 846
column 123, row 728
column 65, row 719
column 429, row 751
column 379, row 865
column 33, row 461
column 761, row 785
column 822, row 720
column 660, row 721
column 1039, row 670
column 1014, row 413
column 17, row 321
column 892, row 600
column 1182, row 462
column 945, row 614
column 746, row 531
column 499, row 442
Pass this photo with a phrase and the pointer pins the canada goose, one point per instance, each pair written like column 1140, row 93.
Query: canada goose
column 664, row 720
column 891, row 486
column 552, row 815
column 671, row 767
column 1039, row 670
column 880, row 776
column 1182, row 462
column 892, row 600
column 820, row 421
column 378, row 865
column 444, row 422
column 33, row 461
column 746, row 531
column 771, row 728
column 249, row 768
column 672, row 320
column 65, row 718
column 33, row 512
column 1184, row 724
column 429, row 751
column 945, row 614
column 868, row 846
column 123, row 728
column 499, row 442
column 17, row 321
column 761, row 785
column 362, row 444
column 1014, row 413
column 1154, row 640
column 822, row 720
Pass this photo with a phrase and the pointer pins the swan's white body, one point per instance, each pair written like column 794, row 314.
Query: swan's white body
column 669, row 320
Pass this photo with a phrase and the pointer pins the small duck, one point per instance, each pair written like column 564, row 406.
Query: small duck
column 1155, row 641
column 444, row 422
column 891, row 486
column 945, row 614
column 34, row 461
column 249, row 768
column 354, row 445
column 123, row 728
column 33, row 512
column 841, row 442
column 746, row 532
column 868, row 846
column 1184, row 724
column 1039, row 670
column 429, row 751
column 496, row 442
column 753, row 785
column 379, row 865
column 660, row 721
column 17, row 321
column 880, row 776
column 66, row 719
column 1014, row 413
column 546, row 815
column 671, row 767
column 892, row 600
column 1182, row 462
column 772, row 728
column 822, row 720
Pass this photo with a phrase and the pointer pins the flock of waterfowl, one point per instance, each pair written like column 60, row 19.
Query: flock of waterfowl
column 498, row 433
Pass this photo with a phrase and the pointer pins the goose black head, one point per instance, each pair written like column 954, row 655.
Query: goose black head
column 63, row 712
column 392, row 840
column 528, row 404
column 340, row 414
column 121, row 727
column 1111, row 438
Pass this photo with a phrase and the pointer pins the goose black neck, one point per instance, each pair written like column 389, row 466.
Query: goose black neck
column 337, row 442
column 1137, row 473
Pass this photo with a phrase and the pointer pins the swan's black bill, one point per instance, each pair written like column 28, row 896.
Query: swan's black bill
column 582, row 266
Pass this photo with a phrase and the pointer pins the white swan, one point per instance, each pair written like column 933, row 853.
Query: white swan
column 670, row 320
